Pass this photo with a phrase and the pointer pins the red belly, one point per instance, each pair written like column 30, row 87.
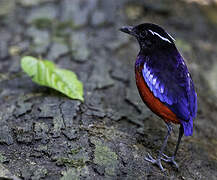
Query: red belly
column 153, row 103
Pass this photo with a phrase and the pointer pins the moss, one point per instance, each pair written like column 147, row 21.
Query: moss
column 104, row 156
column 64, row 25
column 71, row 162
column 76, row 158
column 75, row 151
column 43, row 23
column 63, row 29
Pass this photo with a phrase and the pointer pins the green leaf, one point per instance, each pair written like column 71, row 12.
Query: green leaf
column 45, row 73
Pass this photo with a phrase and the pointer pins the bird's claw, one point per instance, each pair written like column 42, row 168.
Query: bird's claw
column 149, row 158
column 169, row 160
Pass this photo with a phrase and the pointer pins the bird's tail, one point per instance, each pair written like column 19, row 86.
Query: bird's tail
column 188, row 127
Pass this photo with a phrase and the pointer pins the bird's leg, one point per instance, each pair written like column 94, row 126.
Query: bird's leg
column 158, row 160
column 172, row 158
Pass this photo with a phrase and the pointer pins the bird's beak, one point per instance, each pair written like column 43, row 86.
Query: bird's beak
column 127, row 29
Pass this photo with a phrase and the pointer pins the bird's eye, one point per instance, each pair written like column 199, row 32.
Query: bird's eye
column 143, row 34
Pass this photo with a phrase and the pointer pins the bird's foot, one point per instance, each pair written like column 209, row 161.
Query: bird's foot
column 169, row 160
column 149, row 158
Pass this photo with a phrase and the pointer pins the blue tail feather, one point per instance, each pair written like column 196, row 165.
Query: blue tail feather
column 188, row 127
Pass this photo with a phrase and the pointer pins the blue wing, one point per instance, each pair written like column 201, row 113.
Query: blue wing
column 168, row 78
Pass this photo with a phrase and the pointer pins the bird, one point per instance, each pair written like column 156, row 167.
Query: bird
column 164, row 84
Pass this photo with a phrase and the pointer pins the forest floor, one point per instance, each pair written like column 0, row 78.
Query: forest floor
column 45, row 135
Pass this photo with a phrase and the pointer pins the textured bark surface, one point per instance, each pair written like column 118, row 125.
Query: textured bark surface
column 45, row 135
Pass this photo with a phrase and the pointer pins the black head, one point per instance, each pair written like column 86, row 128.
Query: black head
column 150, row 36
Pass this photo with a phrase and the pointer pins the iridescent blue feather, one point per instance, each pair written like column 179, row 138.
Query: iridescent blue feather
column 168, row 78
